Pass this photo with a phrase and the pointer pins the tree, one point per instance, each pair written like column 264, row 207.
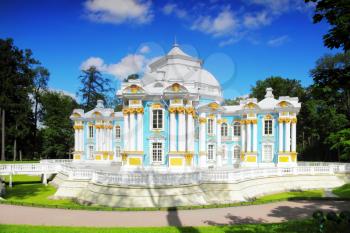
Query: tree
column 57, row 132
column 16, row 81
column 332, row 81
column 40, row 84
column 281, row 87
column 337, row 14
column 94, row 87
column 340, row 141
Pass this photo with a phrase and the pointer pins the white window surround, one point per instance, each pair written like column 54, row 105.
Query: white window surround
column 117, row 151
column 236, row 152
column 263, row 127
column 265, row 160
column 117, row 132
column 151, row 151
column 151, row 120
column 91, row 152
column 210, row 126
column 236, row 129
column 224, row 129
column 90, row 131
column 211, row 152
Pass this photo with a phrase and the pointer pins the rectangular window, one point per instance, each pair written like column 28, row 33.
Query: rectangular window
column 91, row 152
column 210, row 152
column 267, row 153
column 91, row 131
column 236, row 152
column 157, row 152
column 117, row 132
column 117, row 151
column 237, row 129
column 210, row 126
column 268, row 127
column 157, row 117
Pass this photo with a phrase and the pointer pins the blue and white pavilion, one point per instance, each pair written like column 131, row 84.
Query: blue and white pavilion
column 174, row 117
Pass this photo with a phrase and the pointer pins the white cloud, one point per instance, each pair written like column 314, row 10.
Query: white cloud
column 130, row 64
column 224, row 23
column 278, row 7
column 172, row 8
column 278, row 41
column 93, row 61
column 119, row 11
column 256, row 20
column 64, row 92
column 145, row 49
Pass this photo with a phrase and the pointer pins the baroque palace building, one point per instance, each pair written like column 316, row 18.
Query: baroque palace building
column 173, row 117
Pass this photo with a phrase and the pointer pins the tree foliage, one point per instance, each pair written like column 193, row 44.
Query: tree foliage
column 16, row 82
column 337, row 14
column 94, row 87
column 281, row 87
column 57, row 132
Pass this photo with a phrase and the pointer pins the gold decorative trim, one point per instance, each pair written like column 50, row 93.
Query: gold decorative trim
column 202, row 120
column 213, row 105
column 77, row 127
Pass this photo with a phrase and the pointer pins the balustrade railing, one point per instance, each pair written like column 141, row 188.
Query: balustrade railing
column 168, row 178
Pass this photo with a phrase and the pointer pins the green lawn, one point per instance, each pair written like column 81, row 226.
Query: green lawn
column 306, row 226
column 342, row 191
column 291, row 195
column 29, row 190
column 23, row 161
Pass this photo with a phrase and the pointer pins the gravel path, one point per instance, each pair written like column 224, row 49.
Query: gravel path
column 272, row 212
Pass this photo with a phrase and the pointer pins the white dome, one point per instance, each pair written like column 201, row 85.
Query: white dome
column 202, row 76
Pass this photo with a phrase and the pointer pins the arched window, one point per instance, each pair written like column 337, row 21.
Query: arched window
column 237, row 129
column 117, row 132
column 210, row 126
column 236, row 152
column 224, row 130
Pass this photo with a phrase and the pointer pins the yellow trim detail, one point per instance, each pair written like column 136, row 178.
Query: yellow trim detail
column 176, row 161
column 251, row 159
column 135, row 161
column 283, row 159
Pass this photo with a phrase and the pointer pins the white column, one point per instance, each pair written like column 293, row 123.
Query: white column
column 190, row 132
column 255, row 136
column 280, row 135
column 76, row 145
column 98, row 140
column 202, row 141
column 294, row 136
column 109, row 139
column 126, row 132
column 139, row 132
column 249, row 138
column 172, row 132
column 243, row 127
column 182, row 132
column 218, row 142
column 288, row 136
column 132, row 132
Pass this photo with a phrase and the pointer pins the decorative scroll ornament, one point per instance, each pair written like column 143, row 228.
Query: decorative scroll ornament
column 294, row 120
column 214, row 105
column 78, row 127
column 283, row 104
column 202, row 120
column 175, row 87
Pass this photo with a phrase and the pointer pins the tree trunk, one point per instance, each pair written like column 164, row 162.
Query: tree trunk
column 20, row 155
column 15, row 150
column 35, row 123
column 2, row 113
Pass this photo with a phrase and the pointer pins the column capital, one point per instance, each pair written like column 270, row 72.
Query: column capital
column 202, row 120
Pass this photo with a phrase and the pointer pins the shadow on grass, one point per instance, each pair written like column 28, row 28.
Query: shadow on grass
column 24, row 191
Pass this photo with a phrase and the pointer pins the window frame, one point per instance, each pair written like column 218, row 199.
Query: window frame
column 210, row 126
column 234, row 152
column 237, row 124
column 152, row 118
column 264, row 127
column 161, row 150
column 213, row 152
column 117, row 132
column 91, row 152
column 224, row 129
column 91, row 132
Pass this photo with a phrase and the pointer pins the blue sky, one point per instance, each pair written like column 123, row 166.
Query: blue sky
column 239, row 41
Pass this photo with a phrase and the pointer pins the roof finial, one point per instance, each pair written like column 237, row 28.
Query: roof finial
column 175, row 43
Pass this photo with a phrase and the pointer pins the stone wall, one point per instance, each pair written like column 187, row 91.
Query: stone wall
column 187, row 195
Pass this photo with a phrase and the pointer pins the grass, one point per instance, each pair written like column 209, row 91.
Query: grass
column 27, row 190
column 342, row 191
column 304, row 226
column 23, row 161
column 317, row 193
